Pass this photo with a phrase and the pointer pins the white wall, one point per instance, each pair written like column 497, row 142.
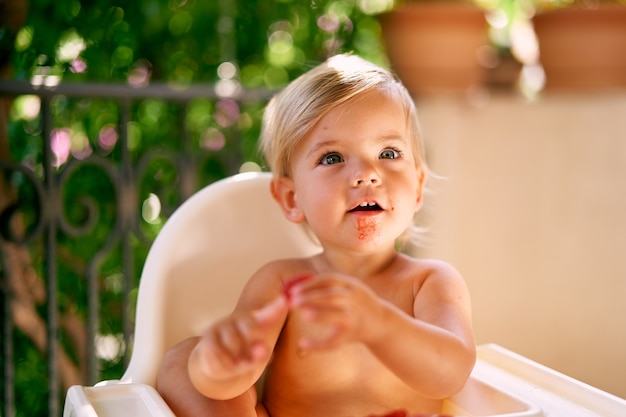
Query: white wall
column 533, row 213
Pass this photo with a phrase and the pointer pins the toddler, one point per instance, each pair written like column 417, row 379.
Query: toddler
column 359, row 329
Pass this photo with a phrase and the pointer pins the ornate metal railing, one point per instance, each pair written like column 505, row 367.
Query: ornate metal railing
column 79, row 206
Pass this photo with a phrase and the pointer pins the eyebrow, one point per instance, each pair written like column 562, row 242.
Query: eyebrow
column 393, row 137
column 321, row 145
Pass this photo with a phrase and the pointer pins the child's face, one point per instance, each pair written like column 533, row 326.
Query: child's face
column 354, row 176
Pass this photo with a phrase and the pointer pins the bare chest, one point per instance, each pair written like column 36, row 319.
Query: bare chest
column 344, row 382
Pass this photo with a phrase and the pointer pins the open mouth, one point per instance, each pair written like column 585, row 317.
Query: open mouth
column 372, row 206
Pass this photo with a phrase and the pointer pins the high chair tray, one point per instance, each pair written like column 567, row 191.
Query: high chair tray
column 115, row 400
column 478, row 398
column 502, row 384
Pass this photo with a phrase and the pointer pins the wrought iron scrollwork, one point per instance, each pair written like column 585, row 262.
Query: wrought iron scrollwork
column 9, row 213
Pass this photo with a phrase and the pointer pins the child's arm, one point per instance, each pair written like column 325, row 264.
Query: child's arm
column 232, row 354
column 433, row 351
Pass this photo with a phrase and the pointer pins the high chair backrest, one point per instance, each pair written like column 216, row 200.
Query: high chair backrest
column 200, row 261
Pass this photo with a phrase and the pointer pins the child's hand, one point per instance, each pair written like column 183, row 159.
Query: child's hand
column 336, row 309
column 237, row 344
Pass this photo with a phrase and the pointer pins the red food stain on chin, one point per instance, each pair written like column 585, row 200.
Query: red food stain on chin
column 366, row 226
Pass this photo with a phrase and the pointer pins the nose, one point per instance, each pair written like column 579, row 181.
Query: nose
column 365, row 174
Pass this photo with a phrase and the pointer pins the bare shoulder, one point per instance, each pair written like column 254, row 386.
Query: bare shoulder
column 441, row 296
column 267, row 282
column 443, row 277
column 430, row 271
column 281, row 270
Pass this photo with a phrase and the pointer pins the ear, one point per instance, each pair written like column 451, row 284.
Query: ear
column 421, row 180
column 284, row 192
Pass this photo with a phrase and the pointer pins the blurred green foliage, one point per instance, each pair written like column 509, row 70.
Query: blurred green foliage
column 252, row 44
column 186, row 40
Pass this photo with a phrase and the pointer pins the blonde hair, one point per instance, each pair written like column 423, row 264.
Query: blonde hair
column 293, row 112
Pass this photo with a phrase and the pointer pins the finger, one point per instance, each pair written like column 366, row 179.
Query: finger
column 272, row 312
column 217, row 360
column 259, row 352
column 251, row 335
column 232, row 342
column 328, row 314
column 329, row 340
column 322, row 298
column 323, row 284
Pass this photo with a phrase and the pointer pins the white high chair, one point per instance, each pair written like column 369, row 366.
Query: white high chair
column 198, row 265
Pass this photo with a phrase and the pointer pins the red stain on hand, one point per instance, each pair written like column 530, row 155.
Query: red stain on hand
column 396, row 413
column 404, row 413
column 292, row 282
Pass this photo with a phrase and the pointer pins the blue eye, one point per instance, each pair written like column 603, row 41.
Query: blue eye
column 390, row 153
column 331, row 158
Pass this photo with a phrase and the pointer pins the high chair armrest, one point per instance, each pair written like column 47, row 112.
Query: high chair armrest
column 115, row 400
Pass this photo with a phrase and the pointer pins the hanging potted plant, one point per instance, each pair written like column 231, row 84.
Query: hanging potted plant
column 434, row 46
column 582, row 43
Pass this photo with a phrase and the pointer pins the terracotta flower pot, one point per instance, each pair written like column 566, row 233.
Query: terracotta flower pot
column 583, row 48
column 433, row 46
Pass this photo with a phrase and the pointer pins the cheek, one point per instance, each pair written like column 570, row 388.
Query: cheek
column 408, row 197
column 308, row 196
column 314, row 205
